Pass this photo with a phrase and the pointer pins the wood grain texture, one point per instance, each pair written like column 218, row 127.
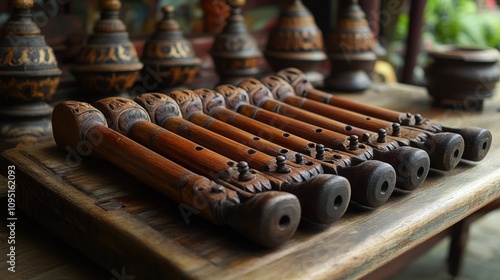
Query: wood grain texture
column 119, row 222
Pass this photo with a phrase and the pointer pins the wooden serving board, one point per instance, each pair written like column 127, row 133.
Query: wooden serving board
column 121, row 223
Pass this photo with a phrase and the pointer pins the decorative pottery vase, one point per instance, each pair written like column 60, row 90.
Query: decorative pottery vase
column 296, row 41
column 350, row 51
column 107, row 64
column 235, row 51
column 29, row 76
column 168, row 55
column 461, row 76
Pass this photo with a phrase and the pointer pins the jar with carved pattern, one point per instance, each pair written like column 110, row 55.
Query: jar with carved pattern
column 29, row 77
column 350, row 48
column 296, row 41
column 107, row 64
column 168, row 55
column 235, row 51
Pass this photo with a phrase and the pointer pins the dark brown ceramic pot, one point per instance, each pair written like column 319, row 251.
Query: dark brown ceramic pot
column 169, row 55
column 235, row 51
column 350, row 51
column 296, row 41
column 461, row 76
column 29, row 76
column 108, row 63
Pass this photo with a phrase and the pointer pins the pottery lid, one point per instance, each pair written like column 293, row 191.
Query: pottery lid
column 20, row 23
column 470, row 54
column 168, row 23
column 296, row 9
column 351, row 34
column 109, row 21
column 23, row 49
column 353, row 11
column 235, row 41
column 296, row 36
column 167, row 45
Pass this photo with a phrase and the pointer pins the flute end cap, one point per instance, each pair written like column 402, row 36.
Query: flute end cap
column 269, row 219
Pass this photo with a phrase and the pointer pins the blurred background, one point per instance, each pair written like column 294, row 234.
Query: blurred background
column 459, row 22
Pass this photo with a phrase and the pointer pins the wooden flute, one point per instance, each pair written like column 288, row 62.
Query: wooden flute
column 323, row 197
column 372, row 182
column 269, row 218
column 411, row 165
column 444, row 149
column 477, row 140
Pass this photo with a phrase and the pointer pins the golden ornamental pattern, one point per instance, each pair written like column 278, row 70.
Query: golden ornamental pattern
column 114, row 83
column 352, row 24
column 235, row 44
column 353, row 42
column 180, row 74
column 296, row 41
column 100, row 55
column 27, row 56
column 28, row 90
column 164, row 51
column 296, row 22
column 237, row 64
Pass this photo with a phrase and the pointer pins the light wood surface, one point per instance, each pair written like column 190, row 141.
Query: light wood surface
column 123, row 225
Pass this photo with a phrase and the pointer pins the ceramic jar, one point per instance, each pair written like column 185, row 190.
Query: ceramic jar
column 235, row 51
column 29, row 77
column 462, row 76
column 350, row 48
column 296, row 41
column 107, row 64
column 169, row 55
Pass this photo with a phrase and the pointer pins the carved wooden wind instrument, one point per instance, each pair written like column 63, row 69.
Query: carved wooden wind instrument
column 372, row 182
column 269, row 218
column 323, row 198
column 178, row 149
column 444, row 149
column 204, row 161
column 477, row 140
column 411, row 165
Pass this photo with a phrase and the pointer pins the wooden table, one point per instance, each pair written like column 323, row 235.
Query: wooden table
column 129, row 229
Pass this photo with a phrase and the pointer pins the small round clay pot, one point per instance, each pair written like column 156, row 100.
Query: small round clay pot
column 462, row 76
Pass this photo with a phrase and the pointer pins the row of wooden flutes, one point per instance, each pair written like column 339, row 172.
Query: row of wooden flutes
column 263, row 154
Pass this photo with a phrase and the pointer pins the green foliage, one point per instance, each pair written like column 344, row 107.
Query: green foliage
column 456, row 22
